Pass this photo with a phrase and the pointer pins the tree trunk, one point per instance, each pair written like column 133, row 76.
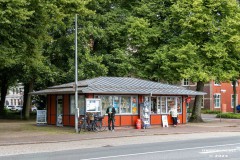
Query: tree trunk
column 234, row 96
column 28, row 87
column 196, row 112
column 4, row 88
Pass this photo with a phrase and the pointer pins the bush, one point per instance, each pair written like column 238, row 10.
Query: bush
column 228, row 115
column 209, row 112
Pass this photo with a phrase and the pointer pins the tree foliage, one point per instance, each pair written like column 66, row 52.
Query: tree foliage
column 164, row 40
column 202, row 44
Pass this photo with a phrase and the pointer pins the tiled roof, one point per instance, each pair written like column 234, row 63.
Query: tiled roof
column 119, row 85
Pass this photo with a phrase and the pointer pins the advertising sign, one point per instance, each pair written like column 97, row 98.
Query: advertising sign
column 41, row 116
column 93, row 105
column 164, row 120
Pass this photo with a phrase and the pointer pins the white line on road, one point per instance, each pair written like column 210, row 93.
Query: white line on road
column 172, row 150
column 207, row 151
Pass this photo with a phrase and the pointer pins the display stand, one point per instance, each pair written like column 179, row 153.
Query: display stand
column 164, row 121
column 41, row 117
column 145, row 114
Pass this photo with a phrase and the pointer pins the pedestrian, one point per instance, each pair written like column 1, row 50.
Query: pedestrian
column 173, row 112
column 111, row 117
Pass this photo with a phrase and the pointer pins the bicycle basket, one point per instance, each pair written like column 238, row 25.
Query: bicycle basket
column 99, row 118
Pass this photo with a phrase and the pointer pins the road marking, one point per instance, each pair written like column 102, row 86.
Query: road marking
column 171, row 150
column 207, row 151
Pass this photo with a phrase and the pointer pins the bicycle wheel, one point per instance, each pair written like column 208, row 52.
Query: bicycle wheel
column 80, row 126
column 100, row 126
column 104, row 126
column 83, row 127
column 94, row 127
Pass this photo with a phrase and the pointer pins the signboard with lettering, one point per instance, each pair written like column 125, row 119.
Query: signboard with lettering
column 93, row 105
column 165, row 120
column 41, row 116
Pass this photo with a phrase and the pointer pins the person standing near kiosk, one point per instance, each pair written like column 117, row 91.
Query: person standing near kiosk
column 173, row 112
column 111, row 117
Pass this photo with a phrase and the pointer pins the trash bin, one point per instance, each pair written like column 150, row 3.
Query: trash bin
column 138, row 124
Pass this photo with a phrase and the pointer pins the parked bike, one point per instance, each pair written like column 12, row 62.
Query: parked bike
column 96, row 124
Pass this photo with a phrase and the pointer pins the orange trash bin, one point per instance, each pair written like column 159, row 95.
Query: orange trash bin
column 138, row 124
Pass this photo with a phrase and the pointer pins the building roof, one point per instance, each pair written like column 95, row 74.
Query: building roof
column 118, row 85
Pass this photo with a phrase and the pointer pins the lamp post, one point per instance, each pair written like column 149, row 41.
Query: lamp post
column 76, row 79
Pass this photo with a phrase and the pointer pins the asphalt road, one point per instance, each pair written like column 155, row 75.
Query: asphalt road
column 227, row 148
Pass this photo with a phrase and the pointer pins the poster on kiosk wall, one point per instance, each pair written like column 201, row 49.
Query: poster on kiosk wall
column 93, row 105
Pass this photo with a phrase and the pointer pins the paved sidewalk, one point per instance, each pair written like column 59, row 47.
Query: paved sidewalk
column 211, row 124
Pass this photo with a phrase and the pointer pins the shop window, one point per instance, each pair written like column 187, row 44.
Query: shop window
column 153, row 105
column 134, row 105
column 165, row 104
column 122, row 104
column 217, row 100
column 116, row 103
column 179, row 104
column 125, row 104
column 106, row 102
column 158, row 105
column 81, row 104
column 170, row 103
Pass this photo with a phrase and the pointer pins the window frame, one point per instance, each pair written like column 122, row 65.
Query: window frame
column 119, row 110
column 232, row 102
column 217, row 98
column 217, row 83
column 72, row 104
column 164, row 101
column 185, row 82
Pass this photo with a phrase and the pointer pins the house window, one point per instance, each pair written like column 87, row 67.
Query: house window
column 185, row 82
column 217, row 83
column 232, row 100
column 122, row 104
column 217, row 100
column 81, row 104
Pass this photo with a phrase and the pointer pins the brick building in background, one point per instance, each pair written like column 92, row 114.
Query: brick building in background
column 217, row 94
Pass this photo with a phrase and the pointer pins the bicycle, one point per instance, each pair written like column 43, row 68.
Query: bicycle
column 92, row 125
column 86, row 125
column 99, row 123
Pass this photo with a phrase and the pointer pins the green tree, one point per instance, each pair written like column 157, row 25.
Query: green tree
column 14, row 15
column 48, row 19
column 26, row 28
column 202, row 45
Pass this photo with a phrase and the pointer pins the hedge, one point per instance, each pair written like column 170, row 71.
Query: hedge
column 229, row 115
